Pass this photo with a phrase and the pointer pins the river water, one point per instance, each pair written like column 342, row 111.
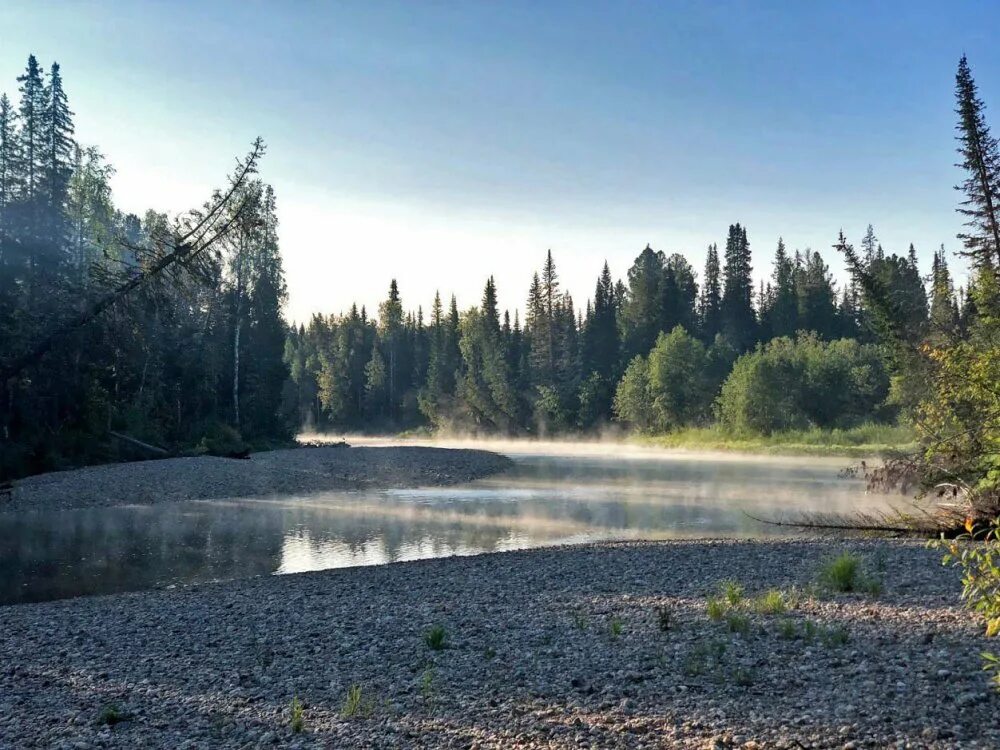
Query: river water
column 549, row 497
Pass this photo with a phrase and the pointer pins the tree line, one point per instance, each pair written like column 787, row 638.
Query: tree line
column 192, row 360
column 657, row 350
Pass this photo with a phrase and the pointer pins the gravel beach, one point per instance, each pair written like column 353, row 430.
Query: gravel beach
column 607, row 645
column 282, row 472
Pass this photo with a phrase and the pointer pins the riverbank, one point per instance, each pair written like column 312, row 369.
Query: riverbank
column 593, row 646
column 864, row 441
column 292, row 471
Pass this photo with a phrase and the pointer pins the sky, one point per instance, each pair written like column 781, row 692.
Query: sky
column 442, row 142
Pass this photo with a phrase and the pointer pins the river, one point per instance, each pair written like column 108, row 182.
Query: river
column 551, row 496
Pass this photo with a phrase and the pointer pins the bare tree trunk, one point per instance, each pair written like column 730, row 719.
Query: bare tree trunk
column 236, row 370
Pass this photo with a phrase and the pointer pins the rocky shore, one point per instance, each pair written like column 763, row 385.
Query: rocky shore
column 608, row 645
column 281, row 472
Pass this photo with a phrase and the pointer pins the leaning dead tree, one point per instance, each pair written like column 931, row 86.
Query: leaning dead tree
column 168, row 251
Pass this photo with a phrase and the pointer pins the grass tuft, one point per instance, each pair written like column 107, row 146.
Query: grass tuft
column 615, row 627
column 436, row 638
column 111, row 714
column 732, row 592
column 356, row 705
column 738, row 623
column 715, row 608
column 663, row 618
column 771, row 602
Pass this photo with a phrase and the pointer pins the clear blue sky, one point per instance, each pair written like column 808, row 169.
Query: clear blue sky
column 442, row 142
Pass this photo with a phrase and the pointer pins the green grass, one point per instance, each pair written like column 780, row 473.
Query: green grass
column 615, row 627
column 298, row 718
column 732, row 592
column 356, row 705
column 845, row 574
column 111, row 714
column 436, row 638
column 868, row 439
column 738, row 623
column 715, row 608
column 771, row 602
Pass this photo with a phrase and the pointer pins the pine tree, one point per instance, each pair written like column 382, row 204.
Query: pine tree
column 710, row 302
column 869, row 243
column 390, row 319
column 817, row 298
column 981, row 160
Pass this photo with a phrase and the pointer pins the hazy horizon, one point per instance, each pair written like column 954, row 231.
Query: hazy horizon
column 441, row 144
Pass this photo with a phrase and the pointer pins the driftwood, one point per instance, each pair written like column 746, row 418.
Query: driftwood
column 139, row 443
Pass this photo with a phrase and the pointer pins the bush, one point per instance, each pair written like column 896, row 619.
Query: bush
column 793, row 385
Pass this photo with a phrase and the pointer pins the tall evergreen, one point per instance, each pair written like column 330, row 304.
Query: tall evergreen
column 780, row 315
column 739, row 322
column 57, row 122
column 944, row 313
column 980, row 158
column 600, row 333
column 643, row 311
column 710, row 301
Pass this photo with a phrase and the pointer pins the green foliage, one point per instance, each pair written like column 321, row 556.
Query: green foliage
column 795, row 384
column 715, row 608
column 428, row 687
column 771, row 602
column 742, row 677
column 436, row 638
column 732, row 592
column 615, row 627
column 356, row 705
column 111, row 714
column 841, row 573
column 297, row 713
column 787, row 629
column 737, row 623
column 977, row 555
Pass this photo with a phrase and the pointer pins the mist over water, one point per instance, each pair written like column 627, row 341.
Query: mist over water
column 556, row 493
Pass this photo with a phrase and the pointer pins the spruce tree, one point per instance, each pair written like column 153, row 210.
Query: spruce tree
column 780, row 316
column 710, row 301
column 59, row 147
column 980, row 158
column 739, row 322
column 643, row 312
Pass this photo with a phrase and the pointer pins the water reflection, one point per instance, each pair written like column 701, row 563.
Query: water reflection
column 544, row 500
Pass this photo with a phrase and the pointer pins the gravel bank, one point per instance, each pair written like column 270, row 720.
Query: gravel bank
column 282, row 472
column 556, row 647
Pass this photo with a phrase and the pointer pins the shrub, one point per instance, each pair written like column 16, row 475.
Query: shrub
column 794, row 384
column 841, row 573
column 980, row 566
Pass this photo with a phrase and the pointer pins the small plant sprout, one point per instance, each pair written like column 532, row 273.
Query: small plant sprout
column 663, row 619
column 615, row 627
column 298, row 719
column 356, row 705
column 809, row 630
column 580, row 621
column 427, row 685
column 771, row 602
column 436, row 638
column 715, row 608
